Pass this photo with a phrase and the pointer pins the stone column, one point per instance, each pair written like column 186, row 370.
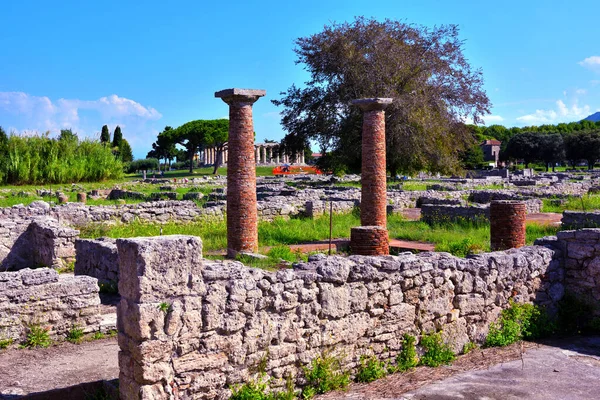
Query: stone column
column 277, row 156
column 373, row 201
column 257, row 150
column 264, row 154
column 302, row 157
column 242, row 215
column 270, row 154
column 507, row 224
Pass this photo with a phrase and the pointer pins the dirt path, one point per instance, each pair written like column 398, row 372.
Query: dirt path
column 29, row 371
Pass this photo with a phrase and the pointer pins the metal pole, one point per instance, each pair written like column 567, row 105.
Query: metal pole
column 330, row 222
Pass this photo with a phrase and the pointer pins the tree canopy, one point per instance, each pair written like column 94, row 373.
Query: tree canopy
column 199, row 134
column 424, row 70
column 105, row 135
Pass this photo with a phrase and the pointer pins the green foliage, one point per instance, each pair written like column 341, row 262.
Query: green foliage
column 199, row 134
column 105, row 135
column 282, row 252
column 164, row 307
column 519, row 321
column 323, row 375
column 258, row 389
column 67, row 268
column 39, row 160
column 125, row 152
column 464, row 247
column 468, row 347
column 37, row 337
column 146, row 164
column 436, row 351
column 368, row 58
column 407, row 358
column 370, row 369
column 98, row 335
column 117, row 137
column 75, row 335
column 4, row 343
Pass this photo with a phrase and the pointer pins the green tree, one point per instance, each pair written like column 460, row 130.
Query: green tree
column 473, row 158
column 573, row 149
column 424, row 70
column 524, row 146
column 105, row 135
column 164, row 147
column 198, row 134
column 551, row 149
column 117, row 137
column 589, row 147
column 125, row 152
column 67, row 135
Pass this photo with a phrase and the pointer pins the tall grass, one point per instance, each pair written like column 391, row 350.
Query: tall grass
column 40, row 159
column 590, row 202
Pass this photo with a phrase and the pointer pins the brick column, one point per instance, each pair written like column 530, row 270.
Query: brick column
column 507, row 224
column 373, row 201
column 242, row 216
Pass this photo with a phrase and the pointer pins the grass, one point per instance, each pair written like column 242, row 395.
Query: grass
column 458, row 239
column 588, row 202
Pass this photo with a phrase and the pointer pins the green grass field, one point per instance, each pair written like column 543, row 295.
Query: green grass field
column 458, row 239
column 589, row 202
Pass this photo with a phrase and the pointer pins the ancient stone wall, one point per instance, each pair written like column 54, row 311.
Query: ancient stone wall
column 578, row 254
column 442, row 213
column 33, row 242
column 580, row 219
column 43, row 297
column 98, row 258
column 195, row 327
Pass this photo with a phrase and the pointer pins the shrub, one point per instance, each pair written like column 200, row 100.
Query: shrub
column 370, row 369
column 75, row 335
column 37, row 337
column 519, row 321
column 468, row 347
column 436, row 351
column 98, row 335
column 258, row 389
column 324, row 375
column 407, row 358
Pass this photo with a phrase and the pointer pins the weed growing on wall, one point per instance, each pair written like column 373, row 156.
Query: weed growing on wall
column 75, row 335
column 259, row 389
column 164, row 307
column 407, row 358
column 519, row 321
column 323, row 375
column 370, row 369
column 436, row 351
column 469, row 347
column 37, row 337
column 4, row 343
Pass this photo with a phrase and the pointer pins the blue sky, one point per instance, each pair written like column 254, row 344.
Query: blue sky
column 145, row 65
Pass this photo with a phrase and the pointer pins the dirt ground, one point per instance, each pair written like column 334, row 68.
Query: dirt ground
column 29, row 371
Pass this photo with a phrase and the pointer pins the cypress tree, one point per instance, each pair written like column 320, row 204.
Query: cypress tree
column 117, row 137
column 105, row 135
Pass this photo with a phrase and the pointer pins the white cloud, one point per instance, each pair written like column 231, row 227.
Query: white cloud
column 592, row 63
column 28, row 113
column 493, row 119
column 580, row 91
column 562, row 113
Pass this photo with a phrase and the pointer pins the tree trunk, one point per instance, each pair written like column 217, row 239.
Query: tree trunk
column 218, row 160
column 547, row 166
column 192, row 161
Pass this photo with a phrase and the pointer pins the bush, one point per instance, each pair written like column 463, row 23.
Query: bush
column 370, row 369
column 258, row 389
column 324, row 375
column 519, row 321
column 436, row 351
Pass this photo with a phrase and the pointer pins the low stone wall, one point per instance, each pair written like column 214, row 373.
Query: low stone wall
column 43, row 297
column 39, row 241
column 98, row 258
column 578, row 253
column 580, row 219
column 223, row 318
column 317, row 208
column 441, row 213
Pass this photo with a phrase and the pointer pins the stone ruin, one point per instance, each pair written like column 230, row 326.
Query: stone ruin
column 225, row 318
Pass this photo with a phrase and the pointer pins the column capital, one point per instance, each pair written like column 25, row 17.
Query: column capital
column 235, row 95
column 373, row 104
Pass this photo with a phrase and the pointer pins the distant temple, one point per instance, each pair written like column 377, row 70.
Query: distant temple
column 491, row 151
column 265, row 153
